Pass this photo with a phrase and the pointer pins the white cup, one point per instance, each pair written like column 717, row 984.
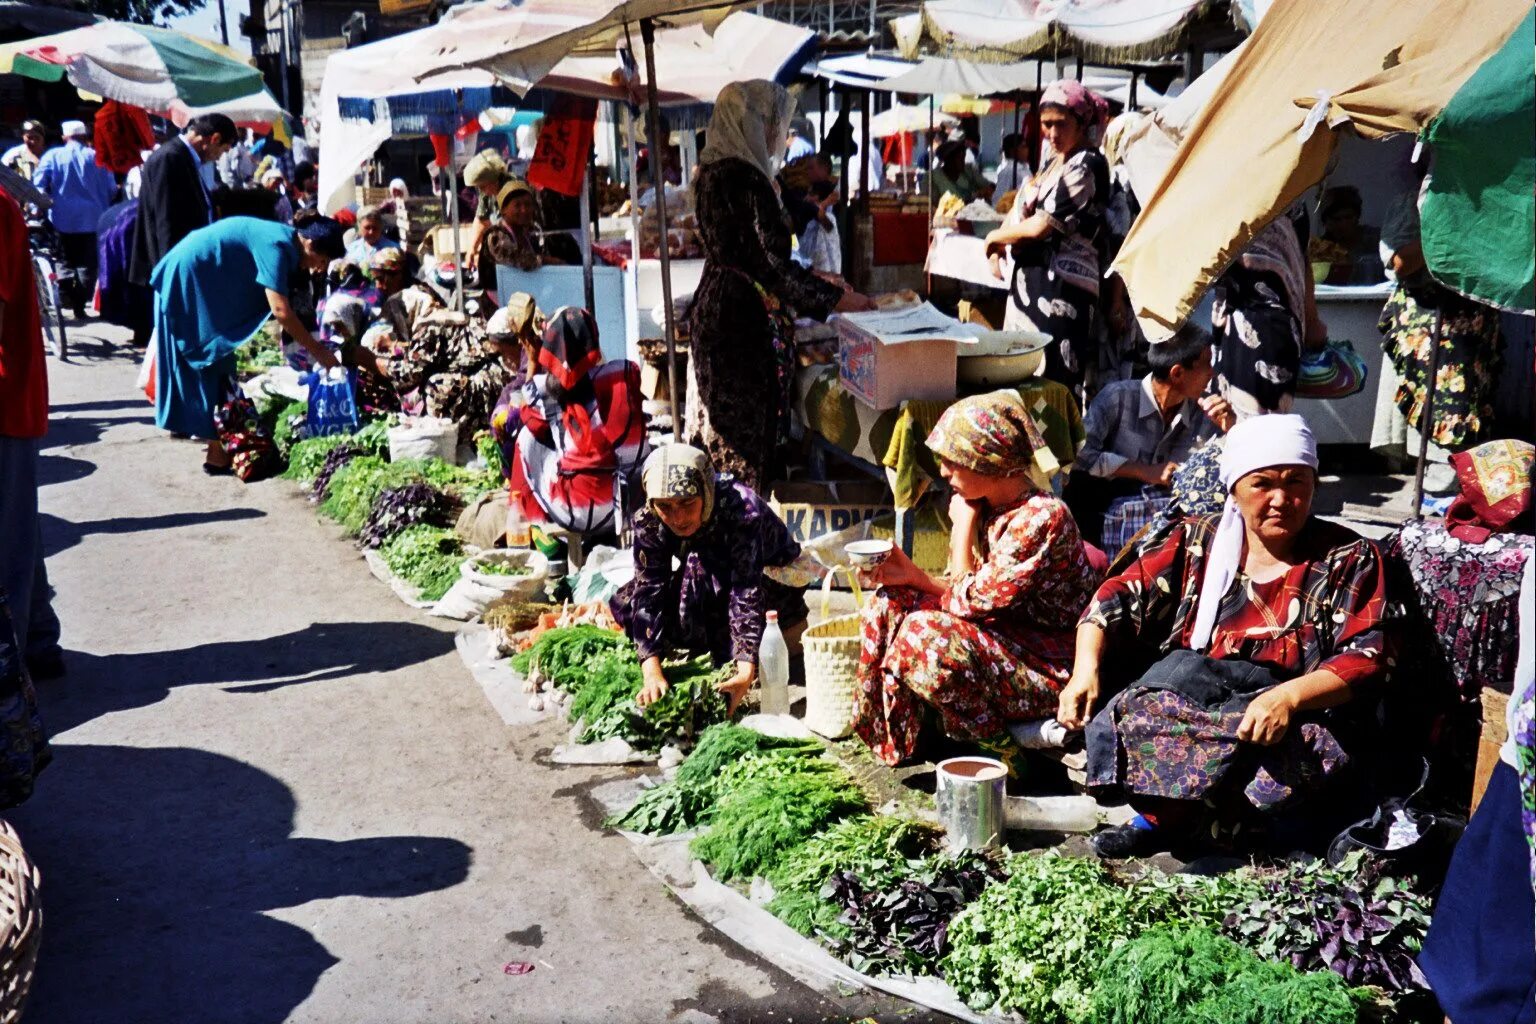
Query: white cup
column 866, row 554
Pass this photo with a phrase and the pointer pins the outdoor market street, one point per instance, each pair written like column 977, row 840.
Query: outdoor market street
column 277, row 794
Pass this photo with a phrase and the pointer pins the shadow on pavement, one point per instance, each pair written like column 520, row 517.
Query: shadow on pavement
column 141, row 927
column 62, row 469
column 103, row 406
column 67, row 431
column 101, row 684
column 62, row 534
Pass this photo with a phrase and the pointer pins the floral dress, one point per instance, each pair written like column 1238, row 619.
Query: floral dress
column 447, row 368
column 1467, row 370
column 1326, row 612
column 741, row 321
column 996, row 647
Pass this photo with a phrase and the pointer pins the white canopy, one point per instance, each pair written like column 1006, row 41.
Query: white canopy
column 1149, row 147
column 1101, row 30
column 939, row 75
column 902, row 118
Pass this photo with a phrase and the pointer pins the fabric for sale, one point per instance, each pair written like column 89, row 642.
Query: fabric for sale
column 1309, row 68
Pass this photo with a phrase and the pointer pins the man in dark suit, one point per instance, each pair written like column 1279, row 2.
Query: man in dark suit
column 173, row 198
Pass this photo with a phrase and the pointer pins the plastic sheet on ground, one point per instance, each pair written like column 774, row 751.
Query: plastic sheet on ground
column 502, row 684
column 403, row 590
column 614, row 750
column 759, row 932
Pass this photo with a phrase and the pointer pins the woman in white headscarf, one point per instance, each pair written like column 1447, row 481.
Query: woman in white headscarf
column 1268, row 622
column 751, row 291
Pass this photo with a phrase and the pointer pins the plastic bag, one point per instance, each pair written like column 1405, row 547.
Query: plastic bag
column 423, row 437
column 475, row 589
column 332, row 402
column 146, row 381
column 607, row 570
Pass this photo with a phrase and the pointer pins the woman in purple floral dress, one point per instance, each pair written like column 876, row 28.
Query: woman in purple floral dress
column 700, row 545
column 1267, row 621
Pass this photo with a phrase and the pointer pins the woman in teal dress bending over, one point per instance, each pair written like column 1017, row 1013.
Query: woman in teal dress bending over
column 213, row 292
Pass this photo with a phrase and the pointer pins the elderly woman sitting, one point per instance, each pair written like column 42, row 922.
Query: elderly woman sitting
column 992, row 646
column 1267, row 620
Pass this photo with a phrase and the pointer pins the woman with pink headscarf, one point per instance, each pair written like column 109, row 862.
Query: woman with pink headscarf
column 1056, row 231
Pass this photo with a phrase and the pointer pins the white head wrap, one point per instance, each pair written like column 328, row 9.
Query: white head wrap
column 398, row 186
column 72, row 129
column 1256, row 443
column 746, row 115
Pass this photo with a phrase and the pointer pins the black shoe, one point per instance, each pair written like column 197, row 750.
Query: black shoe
column 46, row 666
column 213, row 470
column 1124, row 841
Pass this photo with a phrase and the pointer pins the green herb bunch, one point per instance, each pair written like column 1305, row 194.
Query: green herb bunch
column 307, row 457
column 1194, row 976
column 877, row 849
column 565, row 656
column 427, row 557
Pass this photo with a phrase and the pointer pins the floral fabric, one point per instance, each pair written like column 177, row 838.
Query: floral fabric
column 995, row 647
column 253, row 454
column 715, row 601
column 1469, row 596
column 992, row 434
column 445, row 367
column 1467, row 368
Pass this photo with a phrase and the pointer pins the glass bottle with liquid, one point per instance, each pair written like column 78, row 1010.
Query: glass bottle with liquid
column 519, row 534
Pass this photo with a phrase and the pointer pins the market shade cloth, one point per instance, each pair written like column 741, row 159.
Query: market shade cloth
column 860, row 70
column 1149, row 147
column 1479, row 209
column 1111, row 31
column 1380, row 68
column 149, row 67
column 260, row 109
column 693, row 65
column 938, row 75
column 902, row 118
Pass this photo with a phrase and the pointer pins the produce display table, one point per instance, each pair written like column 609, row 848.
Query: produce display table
column 889, row 443
column 964, row 258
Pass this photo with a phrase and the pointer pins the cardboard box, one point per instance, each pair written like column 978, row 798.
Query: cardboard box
column 884, row 371
column 814, row 508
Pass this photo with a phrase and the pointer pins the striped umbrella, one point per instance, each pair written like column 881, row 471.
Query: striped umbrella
column 154, row 68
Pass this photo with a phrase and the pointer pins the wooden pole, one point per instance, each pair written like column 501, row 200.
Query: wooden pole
column 659, row 183
column 1427, row 419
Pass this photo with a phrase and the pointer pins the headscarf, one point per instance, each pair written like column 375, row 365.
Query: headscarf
column 484, row 166
column 388, row 258
column 1256, row 443
column 270, row 175
column 679, row 471
column 347, row 315
column 325, row 235
column 747, row 115
column 516, row 317
column 398, row 185
column 569, row 349
column 992, row 434
column 1088, row 106
column 509, row 190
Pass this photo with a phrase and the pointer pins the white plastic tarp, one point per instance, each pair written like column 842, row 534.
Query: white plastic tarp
column 1104, row 30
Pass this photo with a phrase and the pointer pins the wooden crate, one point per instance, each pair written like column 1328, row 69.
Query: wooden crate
column 1495, row 733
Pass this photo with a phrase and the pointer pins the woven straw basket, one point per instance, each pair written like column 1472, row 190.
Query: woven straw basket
column 831, row 651
column 21, row 924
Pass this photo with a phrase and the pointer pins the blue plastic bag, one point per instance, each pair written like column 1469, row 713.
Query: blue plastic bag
column 332, row 402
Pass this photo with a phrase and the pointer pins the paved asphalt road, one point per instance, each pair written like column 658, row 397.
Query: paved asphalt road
column 278, row 796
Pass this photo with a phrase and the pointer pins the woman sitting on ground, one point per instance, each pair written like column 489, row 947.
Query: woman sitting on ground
column 1267, row 621
column 580, row 429
column 994, row 645
column 722, row 536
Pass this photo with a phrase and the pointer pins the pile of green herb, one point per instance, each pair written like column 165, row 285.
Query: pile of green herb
column 397, row 508
column 497, row 567
column 1031, row 944
column 373, row 438
column 768, row 806
column 899, row 927
column 306, row 458
column 262, row 352
column 1193, row 976
column 287, row 425
column 489, row 452
column 565, row 656
column 875, row 848
column 351, row 493
column 427, row 557
column 605, row 702
column 689, row 798
column 1354, row 919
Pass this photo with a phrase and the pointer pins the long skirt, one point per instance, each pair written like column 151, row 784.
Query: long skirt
column 916, row 656
column 1258, row 355
column 1479, row 955
column 1041, row 300
column 1466, row 370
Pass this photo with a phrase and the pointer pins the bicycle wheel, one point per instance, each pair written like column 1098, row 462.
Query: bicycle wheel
column 48, row 307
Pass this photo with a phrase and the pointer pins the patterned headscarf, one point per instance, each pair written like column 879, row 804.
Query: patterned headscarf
column 346, row 315
column 1088, row 106
column 520, row 314
column 992, row 434
column 679, row 471
column 750, row 123
column 569, row 349
column 389, row 258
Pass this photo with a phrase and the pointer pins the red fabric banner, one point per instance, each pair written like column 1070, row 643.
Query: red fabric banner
column 565, row 140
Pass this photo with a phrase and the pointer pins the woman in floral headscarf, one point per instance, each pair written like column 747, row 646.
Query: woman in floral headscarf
column 1057, row 233
column 992, row 644
column 721, row 536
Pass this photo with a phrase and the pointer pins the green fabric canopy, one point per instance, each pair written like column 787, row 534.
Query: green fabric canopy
column 1479, row 209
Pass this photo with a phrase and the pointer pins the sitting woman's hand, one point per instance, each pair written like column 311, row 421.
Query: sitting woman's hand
column 1074, row 707
column 656, row 684
column 1268, row 718
column 736, row 687
column 898, row 570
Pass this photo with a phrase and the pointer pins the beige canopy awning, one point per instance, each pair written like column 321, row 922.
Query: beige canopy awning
column 1324, row 65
